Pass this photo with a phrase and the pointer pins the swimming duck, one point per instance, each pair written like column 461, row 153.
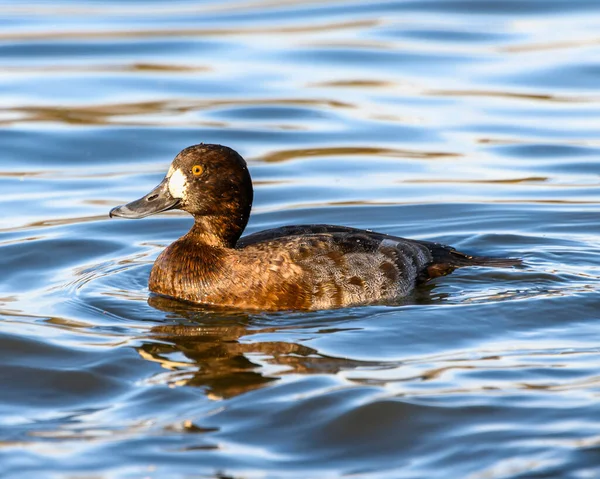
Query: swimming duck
column 304, row 267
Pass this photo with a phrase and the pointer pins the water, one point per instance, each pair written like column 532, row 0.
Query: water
column 472, row 123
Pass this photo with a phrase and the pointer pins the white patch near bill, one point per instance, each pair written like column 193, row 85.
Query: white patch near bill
column 178, row 184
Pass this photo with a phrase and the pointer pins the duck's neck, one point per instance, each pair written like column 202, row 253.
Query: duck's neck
column 216, row 231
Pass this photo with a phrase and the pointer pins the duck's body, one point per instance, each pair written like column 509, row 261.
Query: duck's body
column 294, row 267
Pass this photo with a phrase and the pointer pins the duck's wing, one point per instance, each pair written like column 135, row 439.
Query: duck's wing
column 322, row 266
column 434, row 259
column 334, row 266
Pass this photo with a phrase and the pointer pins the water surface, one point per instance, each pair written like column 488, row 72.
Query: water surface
column 472, row 123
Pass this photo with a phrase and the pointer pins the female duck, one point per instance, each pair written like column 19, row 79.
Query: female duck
column 293, row 267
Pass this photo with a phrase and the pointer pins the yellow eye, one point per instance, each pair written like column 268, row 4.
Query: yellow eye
column 197, row 170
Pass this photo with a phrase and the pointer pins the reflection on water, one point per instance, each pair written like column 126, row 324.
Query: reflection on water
column 218, row 351
column 474, row 124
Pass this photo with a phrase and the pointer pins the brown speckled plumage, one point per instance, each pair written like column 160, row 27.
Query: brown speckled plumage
column 293, row 267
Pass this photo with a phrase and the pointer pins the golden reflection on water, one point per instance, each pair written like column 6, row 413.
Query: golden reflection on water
column 511, row 95
column 186, row 32
column 162, row 8
column 560, row 45
column 106, row 68
column 104, row 114
column 364, row 83
column 285, row 155
column 510, row 181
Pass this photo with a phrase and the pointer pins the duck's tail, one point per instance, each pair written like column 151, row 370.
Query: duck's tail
column 446, row 259
column 461, row 259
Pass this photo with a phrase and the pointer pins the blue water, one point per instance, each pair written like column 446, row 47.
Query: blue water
column 474, row 123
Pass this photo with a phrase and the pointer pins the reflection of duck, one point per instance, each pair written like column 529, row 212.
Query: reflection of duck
column 293, row 267
column 219, row 361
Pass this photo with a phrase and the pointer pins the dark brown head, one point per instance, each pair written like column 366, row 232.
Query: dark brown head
column 212, row 183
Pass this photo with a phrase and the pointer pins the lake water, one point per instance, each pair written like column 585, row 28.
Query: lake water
column 470, row 122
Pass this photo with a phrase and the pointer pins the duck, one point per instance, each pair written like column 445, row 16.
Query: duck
column 299, row 267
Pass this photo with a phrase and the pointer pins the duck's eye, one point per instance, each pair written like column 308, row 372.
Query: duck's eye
column 197, row 170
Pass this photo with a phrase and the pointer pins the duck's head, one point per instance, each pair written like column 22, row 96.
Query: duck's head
column 211, row 182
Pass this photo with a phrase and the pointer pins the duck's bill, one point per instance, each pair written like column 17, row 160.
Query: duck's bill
column 158, row 200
